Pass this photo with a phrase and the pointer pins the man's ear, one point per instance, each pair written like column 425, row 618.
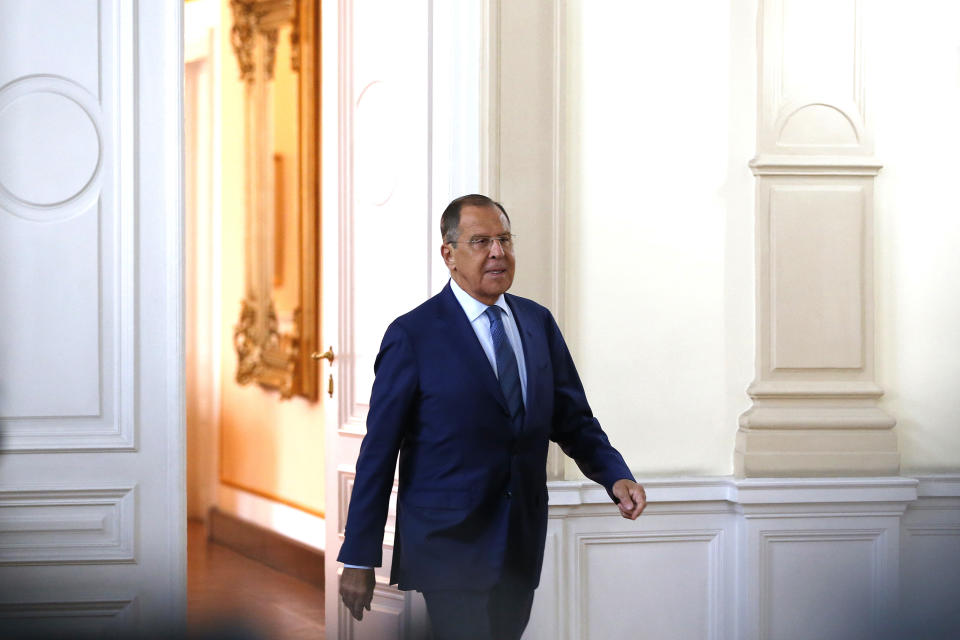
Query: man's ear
column 448, row 258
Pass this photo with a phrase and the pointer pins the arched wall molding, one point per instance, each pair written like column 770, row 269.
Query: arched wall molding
column 811, row 53
column 828, row 117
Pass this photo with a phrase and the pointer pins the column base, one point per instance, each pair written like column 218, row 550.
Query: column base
column 815, row 452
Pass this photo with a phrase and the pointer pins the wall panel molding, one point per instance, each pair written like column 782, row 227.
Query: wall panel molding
column 67, row 526
column 819, row 80
column 93, row 617
column 386, row 618
column 586, row 567
column 778, row 592
column 91, row 351
column 92, row 510
column 522, row 143
column 747, row 559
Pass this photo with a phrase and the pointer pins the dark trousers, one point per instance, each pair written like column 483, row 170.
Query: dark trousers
column 499, row 614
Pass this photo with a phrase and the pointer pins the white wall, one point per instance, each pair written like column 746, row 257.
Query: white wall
column 659, row 237
column 914, row 97
column 661, row 104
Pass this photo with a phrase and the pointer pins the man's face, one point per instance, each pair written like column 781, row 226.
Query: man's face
column 483, row 272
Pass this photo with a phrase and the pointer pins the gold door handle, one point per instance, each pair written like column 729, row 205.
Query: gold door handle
column 328, row 355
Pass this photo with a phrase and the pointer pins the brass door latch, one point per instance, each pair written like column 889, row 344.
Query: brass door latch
column 329, row 357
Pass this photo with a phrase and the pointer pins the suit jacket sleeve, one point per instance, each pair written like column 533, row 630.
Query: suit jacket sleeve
column 391, row 403
column 574, row 427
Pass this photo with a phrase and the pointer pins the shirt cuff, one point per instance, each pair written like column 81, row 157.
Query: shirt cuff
column 354, row 566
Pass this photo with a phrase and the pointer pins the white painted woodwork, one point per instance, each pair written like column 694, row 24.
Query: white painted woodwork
column 752, row 559
column 815, row 393
column 73, row 325
column 522, row 136
column 88, row 617
column 380, row 227
column 92, row 530
column 521, row 155
column 66, row 526
column 823, row 561
column 202, row 233
column 930, row 552
column 296, row 524
column 422, row 117
column 812, row 94
column 456, row 115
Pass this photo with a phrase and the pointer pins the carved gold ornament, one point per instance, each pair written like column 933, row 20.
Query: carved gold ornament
column 278, row 324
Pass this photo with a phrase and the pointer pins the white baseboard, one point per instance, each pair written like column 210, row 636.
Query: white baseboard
column 285, row 520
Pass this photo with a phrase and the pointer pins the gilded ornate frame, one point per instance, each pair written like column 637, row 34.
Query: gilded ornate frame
column 278, row 358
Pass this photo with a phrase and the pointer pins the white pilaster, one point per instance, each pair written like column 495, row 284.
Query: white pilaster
column 815, row 395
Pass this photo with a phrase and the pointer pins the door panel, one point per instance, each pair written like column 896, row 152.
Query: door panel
column 92, row 528
column 403, row 123
column 378, row 243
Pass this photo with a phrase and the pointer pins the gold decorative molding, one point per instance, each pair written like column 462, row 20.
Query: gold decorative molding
column 255, row 24
column 272, row 359
column 295, row 40
column 242, row 37
column 278, row 324
column 269, row 52
column 246, row 344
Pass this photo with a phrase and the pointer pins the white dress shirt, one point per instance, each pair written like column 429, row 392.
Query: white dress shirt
column 475, row 311
column 476, row 314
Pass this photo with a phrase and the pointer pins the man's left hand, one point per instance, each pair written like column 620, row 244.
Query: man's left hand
column 633, row 499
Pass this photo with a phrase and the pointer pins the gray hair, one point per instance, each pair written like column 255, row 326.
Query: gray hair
column 450, row 220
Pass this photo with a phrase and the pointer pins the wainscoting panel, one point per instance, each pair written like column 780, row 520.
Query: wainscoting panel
column 66, row 221
column 384, row 620
column 615, row 572
column 752, row 559
column 92, row 506
column 728, row 559
column 930, row 558
column 85, row 618
column 66, row 526
column 544, row 623
column 815, row 582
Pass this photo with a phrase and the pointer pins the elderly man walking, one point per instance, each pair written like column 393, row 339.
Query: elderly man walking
column 470, row 387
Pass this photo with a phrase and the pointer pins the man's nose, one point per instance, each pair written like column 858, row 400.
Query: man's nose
column 496, row 249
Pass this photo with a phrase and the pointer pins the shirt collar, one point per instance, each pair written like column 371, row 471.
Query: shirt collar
column 473, row 307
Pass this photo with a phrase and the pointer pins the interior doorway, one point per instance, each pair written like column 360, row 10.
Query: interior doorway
column 254, row 517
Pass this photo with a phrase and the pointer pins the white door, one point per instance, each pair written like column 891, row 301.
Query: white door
column 403, row 131
column 92, row 522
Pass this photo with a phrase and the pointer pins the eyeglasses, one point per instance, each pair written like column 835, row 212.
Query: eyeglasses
column 483, row 243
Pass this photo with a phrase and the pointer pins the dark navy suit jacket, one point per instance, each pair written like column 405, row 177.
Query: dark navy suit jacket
column 472, row 496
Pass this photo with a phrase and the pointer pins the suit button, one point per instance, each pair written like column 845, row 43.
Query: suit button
column 507, row 494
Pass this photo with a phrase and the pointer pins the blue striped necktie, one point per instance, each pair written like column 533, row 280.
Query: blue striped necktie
column 507, row 370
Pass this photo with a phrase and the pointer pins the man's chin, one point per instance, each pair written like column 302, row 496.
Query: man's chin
column 496, row 292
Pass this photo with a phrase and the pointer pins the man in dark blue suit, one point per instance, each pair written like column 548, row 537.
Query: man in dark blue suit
column 470, row 387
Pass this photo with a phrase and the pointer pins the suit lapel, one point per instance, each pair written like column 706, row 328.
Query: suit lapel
column 454, row 320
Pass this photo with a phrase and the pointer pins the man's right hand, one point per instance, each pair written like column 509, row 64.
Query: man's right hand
column 356, row 589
